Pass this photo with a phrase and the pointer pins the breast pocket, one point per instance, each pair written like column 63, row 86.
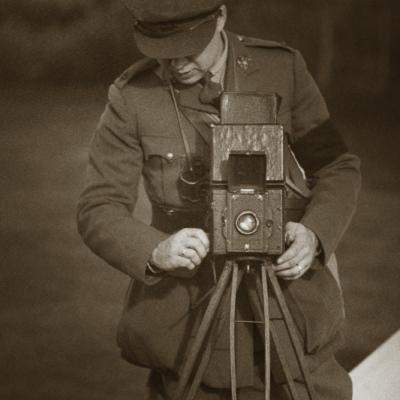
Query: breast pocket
column 164, row 159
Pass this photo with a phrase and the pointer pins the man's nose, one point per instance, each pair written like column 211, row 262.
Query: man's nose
column 177, row 63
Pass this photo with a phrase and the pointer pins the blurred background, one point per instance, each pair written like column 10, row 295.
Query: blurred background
column 59, row 304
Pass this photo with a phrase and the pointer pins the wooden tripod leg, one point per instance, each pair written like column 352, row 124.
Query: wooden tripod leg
column 204, row 327
column 258, row 310
column 275, row 338
column 205, row 359
column 259, row 298
column 284, row 363
column 232, row 342
column 291, row 328
column 215, row 331
column 267, row 352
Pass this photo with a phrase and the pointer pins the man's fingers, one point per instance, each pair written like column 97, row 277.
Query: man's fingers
column 291, row 252
column 290, row 273
column 184, row 249
column 197, row 245
column 290, row 232
column 295, row 268
column 198, row 234
column 292, row 262
column 184, row 263
column 296, row 271
column 191, row 255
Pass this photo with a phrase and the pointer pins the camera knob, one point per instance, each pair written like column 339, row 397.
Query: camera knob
column 269, row 223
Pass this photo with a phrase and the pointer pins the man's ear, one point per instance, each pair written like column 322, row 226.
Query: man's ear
column 223, row 13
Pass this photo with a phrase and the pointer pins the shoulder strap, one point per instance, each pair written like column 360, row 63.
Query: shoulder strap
column 135, row 69
column 256, row 42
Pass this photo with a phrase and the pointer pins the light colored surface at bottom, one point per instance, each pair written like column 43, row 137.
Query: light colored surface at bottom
column 378, row 376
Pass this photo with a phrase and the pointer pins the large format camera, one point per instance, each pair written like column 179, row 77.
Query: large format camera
column 247, row 185
column 248, row 195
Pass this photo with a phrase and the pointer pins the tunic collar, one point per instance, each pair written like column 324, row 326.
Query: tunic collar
column 218, row 69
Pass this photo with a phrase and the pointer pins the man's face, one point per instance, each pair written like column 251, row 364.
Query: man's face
column 190, row 70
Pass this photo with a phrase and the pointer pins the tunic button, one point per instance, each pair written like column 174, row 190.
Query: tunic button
column 169, row 156
column 170, row 212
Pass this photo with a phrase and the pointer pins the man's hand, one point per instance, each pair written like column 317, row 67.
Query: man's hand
column 298, row 258
column 186, row 249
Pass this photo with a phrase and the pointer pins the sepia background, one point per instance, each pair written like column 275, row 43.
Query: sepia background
column 60, row 304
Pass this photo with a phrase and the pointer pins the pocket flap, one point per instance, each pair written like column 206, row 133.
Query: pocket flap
column 165, row 147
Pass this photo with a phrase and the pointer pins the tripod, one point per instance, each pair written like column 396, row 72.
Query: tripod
column 234, row 271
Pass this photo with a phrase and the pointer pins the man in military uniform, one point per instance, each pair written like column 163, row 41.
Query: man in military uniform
column 159, row 115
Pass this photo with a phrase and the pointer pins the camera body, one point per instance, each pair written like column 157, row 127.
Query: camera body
column 247, row 185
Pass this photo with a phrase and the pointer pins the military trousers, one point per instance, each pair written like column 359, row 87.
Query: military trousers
column 330, row 380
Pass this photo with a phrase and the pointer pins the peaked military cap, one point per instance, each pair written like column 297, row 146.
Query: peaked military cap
column 173, row 28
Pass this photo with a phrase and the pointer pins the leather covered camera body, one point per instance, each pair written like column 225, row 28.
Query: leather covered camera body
column 247, row 182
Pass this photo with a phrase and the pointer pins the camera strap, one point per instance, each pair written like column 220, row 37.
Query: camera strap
column 180, row 125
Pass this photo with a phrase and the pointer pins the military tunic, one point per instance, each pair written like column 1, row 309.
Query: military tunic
column 138, row 134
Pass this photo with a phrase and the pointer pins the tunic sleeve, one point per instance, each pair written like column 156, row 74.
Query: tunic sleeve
column 332, row 172
column 104, row 213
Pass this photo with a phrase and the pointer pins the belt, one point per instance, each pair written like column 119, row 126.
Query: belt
column 170, row 219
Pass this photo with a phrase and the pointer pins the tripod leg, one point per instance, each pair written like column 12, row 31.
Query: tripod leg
column 291, row 328
column 202, row 331
column 258, row 299
column 280, row 352
column 203, row 364
column 215, row 331
column 285, row 366
column 266, row 331
column 232, row 318
column 259, row 315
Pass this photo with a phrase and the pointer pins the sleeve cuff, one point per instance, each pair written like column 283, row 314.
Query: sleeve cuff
column 153, row 275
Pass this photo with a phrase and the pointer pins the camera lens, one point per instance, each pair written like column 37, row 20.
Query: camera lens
column 247, row 223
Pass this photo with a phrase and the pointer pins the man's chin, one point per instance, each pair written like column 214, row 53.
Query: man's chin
column 189, row 79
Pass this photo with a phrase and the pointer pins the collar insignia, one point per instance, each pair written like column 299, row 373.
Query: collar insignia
column 244, row 62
